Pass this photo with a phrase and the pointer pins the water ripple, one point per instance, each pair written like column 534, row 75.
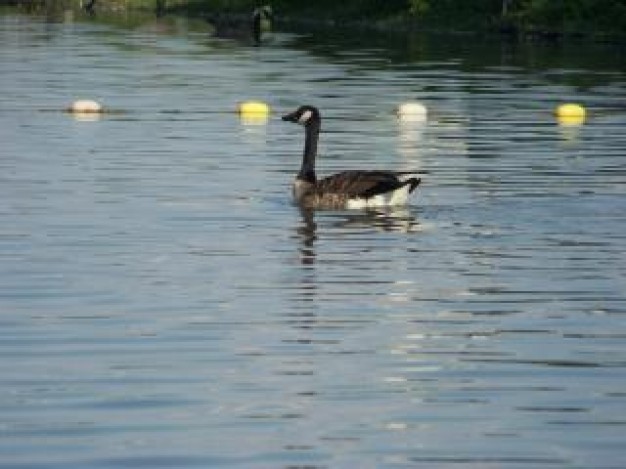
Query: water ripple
column 163, row 304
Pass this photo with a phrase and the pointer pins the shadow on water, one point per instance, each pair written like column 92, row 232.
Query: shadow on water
column 376, row 49
column 467, row 53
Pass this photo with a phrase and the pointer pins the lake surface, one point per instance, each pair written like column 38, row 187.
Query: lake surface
column 163, row 303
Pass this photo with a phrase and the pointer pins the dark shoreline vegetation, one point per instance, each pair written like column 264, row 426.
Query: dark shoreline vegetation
column 602, row 20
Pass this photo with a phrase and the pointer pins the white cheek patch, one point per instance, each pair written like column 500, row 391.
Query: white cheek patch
column 304, row 118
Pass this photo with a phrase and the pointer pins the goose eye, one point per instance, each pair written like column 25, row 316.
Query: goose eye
column 304, row 118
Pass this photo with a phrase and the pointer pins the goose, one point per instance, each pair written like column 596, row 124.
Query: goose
column 89, row 7
column 232, row 27
column 348, row 189
column 262, row 18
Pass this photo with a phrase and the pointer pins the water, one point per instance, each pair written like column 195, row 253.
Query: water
column 163, row 304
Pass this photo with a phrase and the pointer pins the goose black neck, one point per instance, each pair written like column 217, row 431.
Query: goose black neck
column 307, row 171
column 256, row 28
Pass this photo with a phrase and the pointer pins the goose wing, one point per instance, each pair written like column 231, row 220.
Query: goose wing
column 362, row 184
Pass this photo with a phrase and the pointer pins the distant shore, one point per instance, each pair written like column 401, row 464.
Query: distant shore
column 603, row 20
column 597, row 20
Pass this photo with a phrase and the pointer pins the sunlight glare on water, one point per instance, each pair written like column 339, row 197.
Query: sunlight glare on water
column 163, row 303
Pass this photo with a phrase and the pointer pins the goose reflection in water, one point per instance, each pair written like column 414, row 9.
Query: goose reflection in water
column 307, row 232
column 384, row 219
column 347, row 223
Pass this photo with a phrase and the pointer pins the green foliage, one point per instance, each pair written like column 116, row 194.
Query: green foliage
column 418, row 7
column 581, row 15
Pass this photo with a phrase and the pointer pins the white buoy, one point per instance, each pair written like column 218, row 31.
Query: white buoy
column 412, row 111
column 85, row 106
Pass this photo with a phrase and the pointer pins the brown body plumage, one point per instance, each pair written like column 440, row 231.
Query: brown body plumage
column 348, row 189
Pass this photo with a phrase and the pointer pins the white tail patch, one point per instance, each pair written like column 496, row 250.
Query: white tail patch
column 388, row 199
column 304, row 118
column 400, row 195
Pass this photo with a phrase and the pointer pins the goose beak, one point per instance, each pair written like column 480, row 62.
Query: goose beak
column 292, row 117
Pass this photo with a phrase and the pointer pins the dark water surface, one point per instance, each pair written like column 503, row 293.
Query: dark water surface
column 162, row 303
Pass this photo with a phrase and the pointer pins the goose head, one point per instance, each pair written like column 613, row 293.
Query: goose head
column 304, row 115
column 264, row 13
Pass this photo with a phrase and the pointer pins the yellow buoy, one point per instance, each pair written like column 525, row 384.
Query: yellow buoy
column 412, row 111
column 253, row 112
column 570, row 114
column 85, row 106
column 253, row 108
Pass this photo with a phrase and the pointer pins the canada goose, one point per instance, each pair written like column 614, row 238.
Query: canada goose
column 262, row 18
column 233, row 27
column 348, row 189
column 89, row 7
